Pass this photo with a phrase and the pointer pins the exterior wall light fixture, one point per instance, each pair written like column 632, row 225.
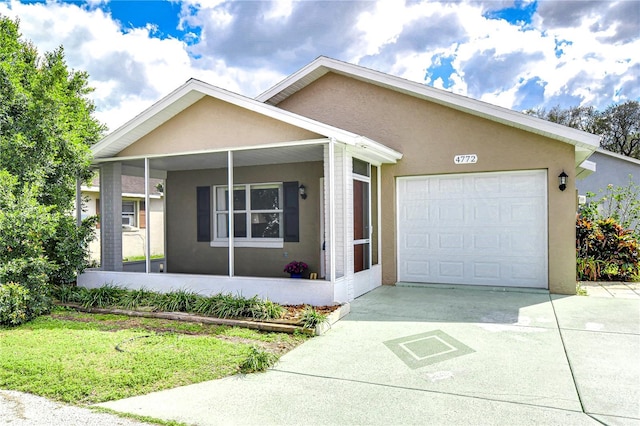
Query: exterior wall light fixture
column 303, row 192
column 562, row 180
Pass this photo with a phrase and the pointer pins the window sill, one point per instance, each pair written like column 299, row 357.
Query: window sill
column 250, row 244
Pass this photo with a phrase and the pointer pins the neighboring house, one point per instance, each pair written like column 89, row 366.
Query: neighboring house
column 369, row 178
column 610, row 169
column 134, row 212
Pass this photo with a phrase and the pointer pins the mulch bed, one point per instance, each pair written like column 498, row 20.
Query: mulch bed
column 294, row 312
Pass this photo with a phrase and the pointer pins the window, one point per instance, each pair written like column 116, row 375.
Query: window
column 129, row 213
column 257, row 214
column 133, row 213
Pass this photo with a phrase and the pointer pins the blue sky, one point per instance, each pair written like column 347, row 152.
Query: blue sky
column 517, row 54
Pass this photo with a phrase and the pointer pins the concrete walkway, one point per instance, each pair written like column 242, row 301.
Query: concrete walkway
column 408, row 355
column 618, row 290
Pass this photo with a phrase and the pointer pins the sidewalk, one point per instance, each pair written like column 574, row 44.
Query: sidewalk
column 620, row 290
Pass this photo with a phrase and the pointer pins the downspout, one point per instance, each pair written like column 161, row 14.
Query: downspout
column 230, row 208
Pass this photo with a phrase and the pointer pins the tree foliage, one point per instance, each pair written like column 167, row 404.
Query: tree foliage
column 619, row 124
column 46, row 129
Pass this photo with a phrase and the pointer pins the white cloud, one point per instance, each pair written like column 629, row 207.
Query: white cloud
column 131, row 70
column 492, row 59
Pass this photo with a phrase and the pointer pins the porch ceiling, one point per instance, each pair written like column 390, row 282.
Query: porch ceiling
column 243, row 158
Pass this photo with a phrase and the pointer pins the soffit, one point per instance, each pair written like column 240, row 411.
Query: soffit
column 218, row 160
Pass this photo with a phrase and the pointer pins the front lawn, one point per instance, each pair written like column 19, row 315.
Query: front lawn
column 87, row 358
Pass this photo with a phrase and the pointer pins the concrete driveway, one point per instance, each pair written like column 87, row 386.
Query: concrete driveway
column 407, row 355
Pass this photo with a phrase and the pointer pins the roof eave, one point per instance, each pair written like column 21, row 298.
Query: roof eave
column 193, row 91
column 585, row 142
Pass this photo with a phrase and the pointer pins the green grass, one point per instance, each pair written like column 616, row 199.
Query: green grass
column 581, row 291
column 72, row 357
column 139, row 258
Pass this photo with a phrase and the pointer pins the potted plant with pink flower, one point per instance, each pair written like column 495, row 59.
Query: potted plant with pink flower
column 296, row 269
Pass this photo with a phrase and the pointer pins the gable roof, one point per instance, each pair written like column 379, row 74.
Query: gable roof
column 193, row 91
column 585, row 143
column 618, row 156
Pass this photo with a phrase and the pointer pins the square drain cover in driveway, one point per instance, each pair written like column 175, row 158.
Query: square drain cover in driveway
column 428, row 348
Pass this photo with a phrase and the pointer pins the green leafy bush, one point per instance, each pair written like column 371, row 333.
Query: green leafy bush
column 219, row 305
column 621, row 203
column 177, row 301
column 46, row 130
column 312, row 318
column 102, row 297
column 14, row 304
column 606, row 251
column 257, row 360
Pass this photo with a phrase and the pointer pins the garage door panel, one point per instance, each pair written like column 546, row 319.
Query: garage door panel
column 449, row 213
column 448, row 241
column 451, row 269
column 484, row 184
column 483, row 229
column 449, row 185
column 486, row 270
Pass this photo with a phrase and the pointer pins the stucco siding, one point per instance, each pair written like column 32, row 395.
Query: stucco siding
column 214, row 124
column 133, row 240
column 429, row 136
column 186, row 255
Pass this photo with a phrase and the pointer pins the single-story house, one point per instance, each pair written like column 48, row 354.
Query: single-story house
column 609, row 168
column 369, row 178
column 134, row 211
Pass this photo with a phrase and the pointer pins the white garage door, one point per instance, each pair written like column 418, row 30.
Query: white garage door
column 479, row 229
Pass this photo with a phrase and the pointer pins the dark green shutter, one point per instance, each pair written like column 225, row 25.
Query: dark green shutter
column 203, row 207
column 291, row 216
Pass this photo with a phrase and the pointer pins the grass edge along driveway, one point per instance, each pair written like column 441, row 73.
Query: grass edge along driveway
column 71, row 357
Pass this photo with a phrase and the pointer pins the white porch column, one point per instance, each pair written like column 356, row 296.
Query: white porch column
column 379, row 209
column 230, row 209
column 147, row 218
column 111, row 216
column 332, row 213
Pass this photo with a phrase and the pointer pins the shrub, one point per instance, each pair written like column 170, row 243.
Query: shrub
column 14, row 304
column 102, row 297
column 219, row 305
column 312, row 318
column 135, row 298
column 177, row 301
column 621, row 203
column 605, row 250
column 257, row 360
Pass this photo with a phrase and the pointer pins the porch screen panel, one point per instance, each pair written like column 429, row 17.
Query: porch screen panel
column 203, row 208
column 264, row 200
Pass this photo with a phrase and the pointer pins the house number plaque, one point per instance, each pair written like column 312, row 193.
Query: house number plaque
column 465, row 159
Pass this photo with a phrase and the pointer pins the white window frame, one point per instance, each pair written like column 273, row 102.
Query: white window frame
column 247, row 241
column 133, row 216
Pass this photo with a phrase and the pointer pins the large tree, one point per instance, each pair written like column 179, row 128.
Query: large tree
column 621, row 129
column 46, row 129
column 619, row 124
